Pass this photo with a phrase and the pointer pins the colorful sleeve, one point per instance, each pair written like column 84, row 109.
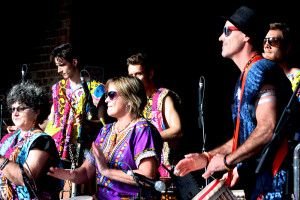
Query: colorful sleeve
column 295, row 82
column 144, row 142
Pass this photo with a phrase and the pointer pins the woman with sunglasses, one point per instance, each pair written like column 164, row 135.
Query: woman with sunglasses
column 130, row 144
column 27, row 153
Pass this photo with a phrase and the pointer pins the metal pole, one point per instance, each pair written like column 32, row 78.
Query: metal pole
column 296, row 172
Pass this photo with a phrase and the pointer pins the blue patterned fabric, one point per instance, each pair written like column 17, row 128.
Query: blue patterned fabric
column 262, row 71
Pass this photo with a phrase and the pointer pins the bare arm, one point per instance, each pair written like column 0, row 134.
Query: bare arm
column 80, row 175
column 146, row 168
column 172, row 121
column 36, row 161
column 266, row 116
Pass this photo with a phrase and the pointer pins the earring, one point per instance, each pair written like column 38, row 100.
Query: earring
column 127, row 108
column 34, row 125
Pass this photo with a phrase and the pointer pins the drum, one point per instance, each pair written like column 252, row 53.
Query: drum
column 85, row 197
column 239, row 194
column 171, row 191
column 217, row 189
column 66, row 192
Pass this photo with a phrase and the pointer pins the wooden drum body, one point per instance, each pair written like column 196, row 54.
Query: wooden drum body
column 217, row 189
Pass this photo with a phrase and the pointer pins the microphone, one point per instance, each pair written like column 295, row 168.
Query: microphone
column 81, row 77
column 93, row 111
column 158, row 185
column 23, row 73
column 200, row 100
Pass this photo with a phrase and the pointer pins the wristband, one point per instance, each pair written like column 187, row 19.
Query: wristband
column 207, row 156
column 4, row 164
column 228, row 167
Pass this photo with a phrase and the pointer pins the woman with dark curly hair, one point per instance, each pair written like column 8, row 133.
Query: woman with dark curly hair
column 27, row 153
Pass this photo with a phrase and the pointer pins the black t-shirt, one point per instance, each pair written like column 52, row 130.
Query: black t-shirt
column 45, row 182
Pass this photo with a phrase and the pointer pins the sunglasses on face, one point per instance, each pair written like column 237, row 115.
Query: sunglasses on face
column 272, row 41
column 228, row 29
column 112, row 95
column 19, row 109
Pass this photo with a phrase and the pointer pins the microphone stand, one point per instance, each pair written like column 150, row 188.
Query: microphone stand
column 140, row 186
column 282, row 121
column 200, row 109
column 136, row 179
column 82, row 137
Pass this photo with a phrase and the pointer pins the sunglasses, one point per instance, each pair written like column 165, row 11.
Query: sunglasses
column 112, row 95
column 272, row 41
column 19, row 109
column 228, row 29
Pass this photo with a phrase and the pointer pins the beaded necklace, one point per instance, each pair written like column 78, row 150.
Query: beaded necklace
column 117, row 130
column 250, row 61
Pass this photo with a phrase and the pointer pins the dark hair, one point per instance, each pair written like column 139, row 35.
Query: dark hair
column 284, row 28
column 65, row 51
column 32, row 96
column 132, row 90
column 142, row 59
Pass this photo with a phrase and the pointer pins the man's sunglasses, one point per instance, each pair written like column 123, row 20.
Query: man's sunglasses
column 228, row 29
column 19, row 109
column 272, row 41
column 112, row 95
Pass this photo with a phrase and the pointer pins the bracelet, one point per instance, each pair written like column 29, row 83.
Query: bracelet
column 4, row 164
column 228, row 167
column 207, row 156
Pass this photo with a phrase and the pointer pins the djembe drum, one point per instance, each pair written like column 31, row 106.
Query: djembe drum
column 215, row 190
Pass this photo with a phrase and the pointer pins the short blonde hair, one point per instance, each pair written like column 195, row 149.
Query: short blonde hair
column 133, row 91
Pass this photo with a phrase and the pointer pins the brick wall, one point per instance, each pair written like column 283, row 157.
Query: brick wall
column 57, row 31
column 53, row 29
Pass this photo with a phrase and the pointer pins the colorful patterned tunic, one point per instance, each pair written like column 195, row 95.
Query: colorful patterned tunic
column 63, row 130
column 48, row 187
column 153, row 113
column 295, row 78
column 140, row 141
column 262, row 71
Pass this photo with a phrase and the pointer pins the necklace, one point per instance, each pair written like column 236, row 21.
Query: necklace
column 250, row 61
column 124, row 128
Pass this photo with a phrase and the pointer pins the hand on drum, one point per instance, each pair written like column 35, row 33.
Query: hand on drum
column 216, row 164
column 235, row 177
column 61, row 173
column 191, row 162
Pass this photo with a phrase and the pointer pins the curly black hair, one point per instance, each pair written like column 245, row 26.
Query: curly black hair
column 32, row 96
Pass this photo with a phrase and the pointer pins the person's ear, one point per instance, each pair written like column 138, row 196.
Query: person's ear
column 75, row 62
column 151, row 74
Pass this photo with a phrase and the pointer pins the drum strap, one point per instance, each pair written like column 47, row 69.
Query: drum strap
column 252, row 60
column 280, row 155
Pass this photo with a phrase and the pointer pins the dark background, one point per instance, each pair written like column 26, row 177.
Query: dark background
column 182, row 36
